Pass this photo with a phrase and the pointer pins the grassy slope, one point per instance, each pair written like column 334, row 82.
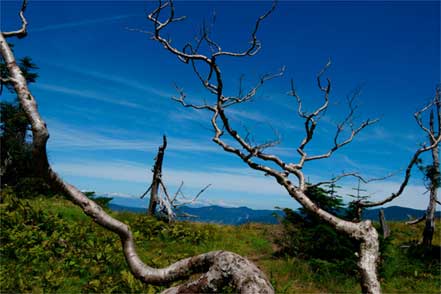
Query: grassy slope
column 51, row 246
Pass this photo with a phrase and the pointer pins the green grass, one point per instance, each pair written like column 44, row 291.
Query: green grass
column 49, row 245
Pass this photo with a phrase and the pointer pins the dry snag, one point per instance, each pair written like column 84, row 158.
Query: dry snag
column 161, row 204
column 255, row 156
column 432, row 171
column 157, row 179
column 219, row 268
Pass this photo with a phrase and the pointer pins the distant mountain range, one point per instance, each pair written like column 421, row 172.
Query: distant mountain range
column 242, row 215
column 396, row 213
column 218, row 214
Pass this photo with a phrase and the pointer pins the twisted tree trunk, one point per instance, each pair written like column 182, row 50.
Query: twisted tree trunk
column 221, row 267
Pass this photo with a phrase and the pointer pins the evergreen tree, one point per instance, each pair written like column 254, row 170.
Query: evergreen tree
column 306, row 236
column 16, row 168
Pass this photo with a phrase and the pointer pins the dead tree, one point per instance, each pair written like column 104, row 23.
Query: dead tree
column 157, row 178
column 383, row 224
column 431, row 172
column 429, row 227
column 219, row 268
column 161, row 204
column 255, row 155
column 177, row 201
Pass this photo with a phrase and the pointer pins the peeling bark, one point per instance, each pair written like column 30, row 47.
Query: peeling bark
column 228, row 268
column 244, row 274
column 368, row 259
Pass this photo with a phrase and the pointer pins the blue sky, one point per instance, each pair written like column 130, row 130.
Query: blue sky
column 105, row 92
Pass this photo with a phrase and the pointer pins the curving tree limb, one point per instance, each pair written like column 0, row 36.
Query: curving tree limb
column 220, row 267
column 22, row 32
column 434, row 141
column 416, row 221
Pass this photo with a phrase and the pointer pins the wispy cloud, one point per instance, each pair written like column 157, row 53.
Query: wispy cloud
column 78, row 23
column 88, row 95
column 136, row 173
column 258, row 117
column 226, row 180
column 403, row 140
column 68, row 136
column 248, row 115
column 126, row 83
column 238, row 115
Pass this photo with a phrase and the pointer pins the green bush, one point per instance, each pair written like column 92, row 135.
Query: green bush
column 306, row 237
column 51, row 253
column 59, row 252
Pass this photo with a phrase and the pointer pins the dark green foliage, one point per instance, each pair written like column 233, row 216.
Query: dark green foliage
column 16, row 153
column 305, row 236
column 432, row 176
column 16, row 162
column 323, row 198
column 27, row 67
column 354, row 212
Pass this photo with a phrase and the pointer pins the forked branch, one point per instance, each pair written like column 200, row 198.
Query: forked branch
column 311, row 120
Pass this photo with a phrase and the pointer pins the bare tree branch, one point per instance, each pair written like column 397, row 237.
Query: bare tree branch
column 22, row 32
column 255, row 45
column 231, row 100
column 175, row 200
column 311, row 122
column 181, row 100
column 416, row 221
column 433, row 103
column 354, row 175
